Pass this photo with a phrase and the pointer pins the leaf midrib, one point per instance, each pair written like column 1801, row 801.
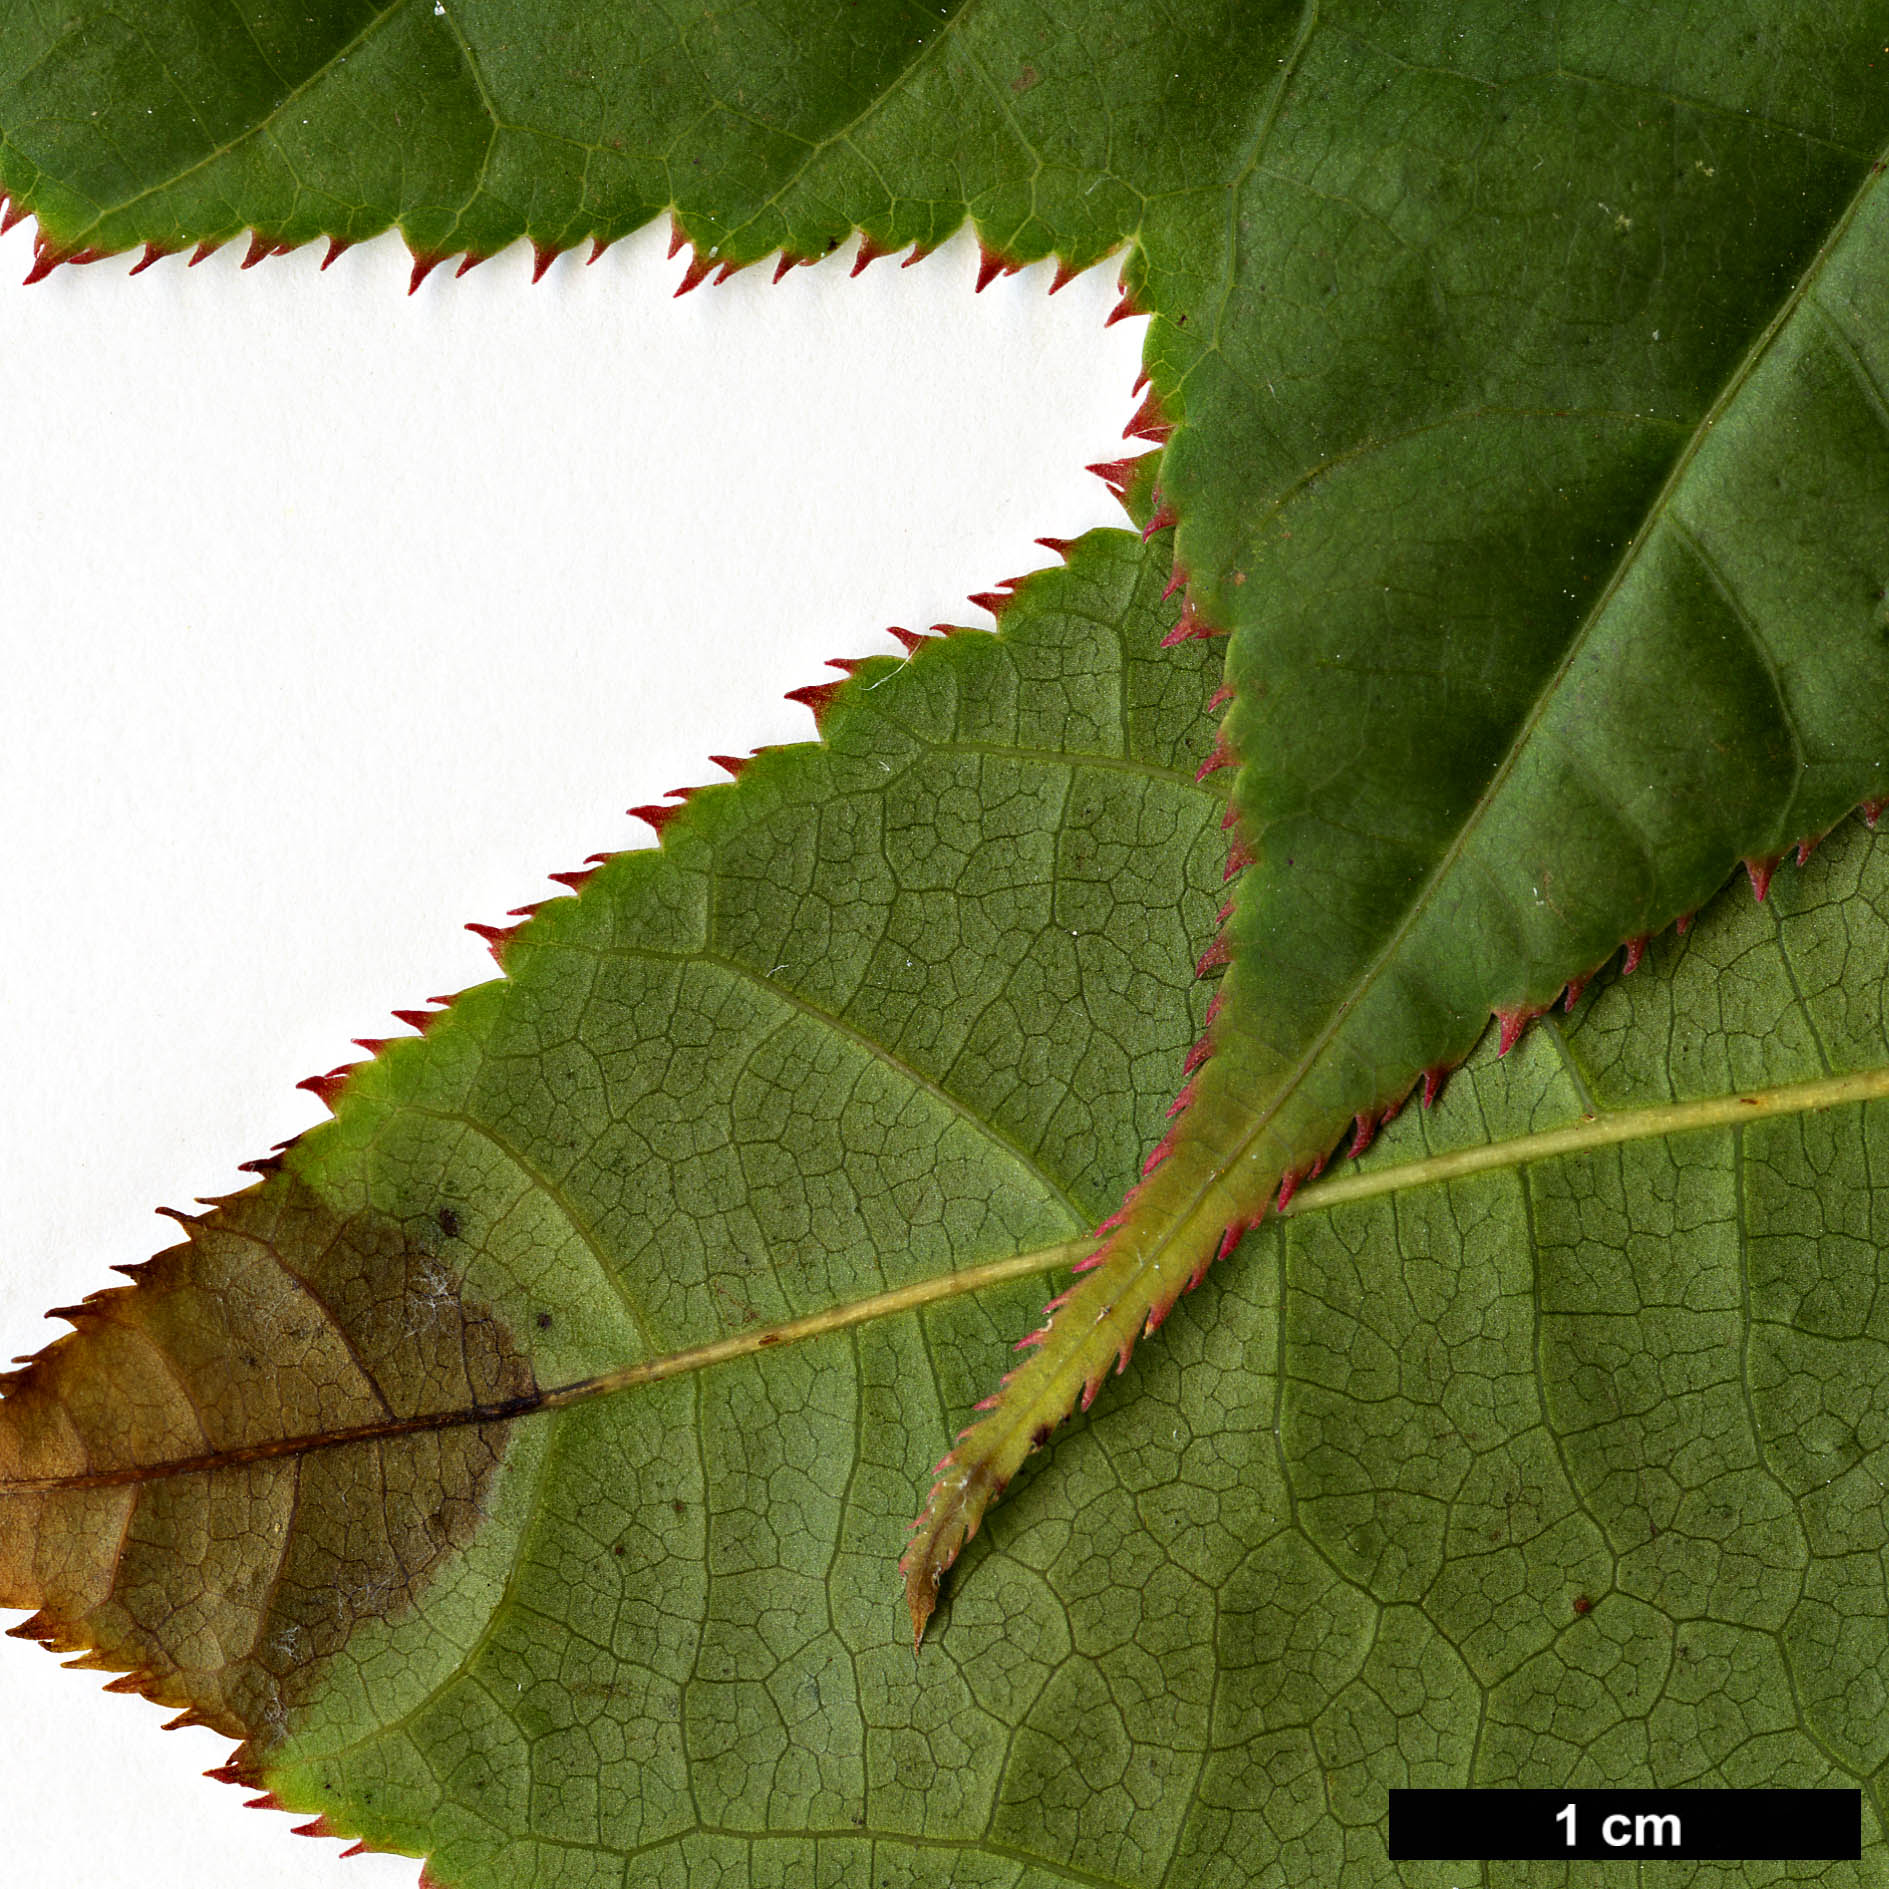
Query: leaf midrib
column 1609, row 1128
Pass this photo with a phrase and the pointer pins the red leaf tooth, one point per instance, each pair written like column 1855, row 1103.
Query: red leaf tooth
column 1222, row 755
column 152, row 253
column 1572, row 996
column 728, row 269
column 316, row 1829
column 1239, row 857
column 730, row 764
column 575, row 880
column 338, row 246
column 359, row 1849
column 543, row 255
column 1116, row 473
column 416, row 1019
column 783, row 266
column 204, row 251
column 1163, row 520
column 1289, row 1185
column 919, row 252
column 1162, row 1149
column 1066, row 273
column 261, row 248
column 992, row 600
column 696, row 273
column 869, row 253
column 1123, row 310
column 1177, row 582
column 817, row 696
column 1192, row 628
column 1150, row 421
column 990, row 265
column 1636, row 950
column 1181, row 1102
column 1220, row 698
column 1683, row 923
column 1364, row 1127
column 496, row 937
column 1761, row 871
column 1871, row 809
column 15, row 211
column 1513, row 1023
column 423, row 266
column 325, row 1088
column 598, row 244
column 1216, row 956
column 45, row 260
column 1197, row 1055
column 1805, row 848
column 677, row 237
column 654, row 817
column 1060, row 546
column 372, row 1044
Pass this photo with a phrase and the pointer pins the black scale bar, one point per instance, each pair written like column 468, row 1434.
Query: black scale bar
column 1629, row 1826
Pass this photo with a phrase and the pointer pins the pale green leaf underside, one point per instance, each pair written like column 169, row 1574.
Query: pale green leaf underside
column 1328, row 1541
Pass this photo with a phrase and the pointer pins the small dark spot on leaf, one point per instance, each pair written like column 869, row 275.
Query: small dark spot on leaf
column 448, row 1222
column 544, row 1321
column 1039, row 1436
column 1582, row 1605
column 681, row 1508
column 618, row 1549
column 1024, row 79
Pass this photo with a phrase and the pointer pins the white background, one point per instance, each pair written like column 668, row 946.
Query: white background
column 333, row 619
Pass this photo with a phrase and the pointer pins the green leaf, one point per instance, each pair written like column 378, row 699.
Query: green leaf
column 1544, row 1444
column 1520, row 384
